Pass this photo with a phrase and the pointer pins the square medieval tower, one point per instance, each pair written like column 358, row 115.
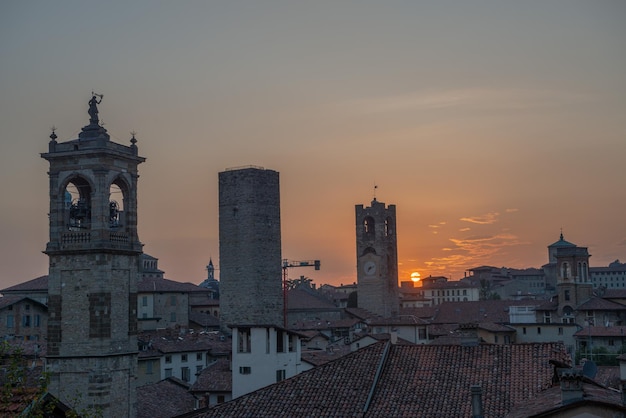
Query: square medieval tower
column 377, row 259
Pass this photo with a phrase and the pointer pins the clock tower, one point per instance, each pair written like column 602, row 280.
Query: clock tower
column 377, row 259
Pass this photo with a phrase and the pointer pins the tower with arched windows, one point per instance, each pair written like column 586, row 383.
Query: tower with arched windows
column 377, row 259
column 571, row 264
column 93, row 251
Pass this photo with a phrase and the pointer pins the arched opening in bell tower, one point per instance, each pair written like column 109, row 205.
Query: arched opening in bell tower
column 369, row 226
column 77, row 204
column 116, row 204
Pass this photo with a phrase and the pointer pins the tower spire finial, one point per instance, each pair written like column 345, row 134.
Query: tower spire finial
column 375, row 187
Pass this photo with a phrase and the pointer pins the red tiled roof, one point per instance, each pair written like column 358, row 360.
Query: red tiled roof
column 301, row 299
column 425, row 312
column 40, row 283
column 550, row 400
column 400, row 320
column 415, row 381
column 216, row 377
column 156, row 284
column 614, row 294
column 599, row 304
column 168, row 341
column 599, row 331
column 323, row 324
column 150, row 399
column 319, row 357
column 204, row 319
column 478, row 311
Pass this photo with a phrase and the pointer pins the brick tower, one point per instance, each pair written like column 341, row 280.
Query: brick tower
column 250, row 251
column 377, row 259
column 94, row 255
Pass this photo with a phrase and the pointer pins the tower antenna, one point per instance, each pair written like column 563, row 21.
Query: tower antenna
column 375, row 187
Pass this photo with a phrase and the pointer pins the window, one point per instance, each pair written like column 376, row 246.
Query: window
column 495, row 339
column 245, row 370
column 183, row 358
column 611, row 342
column 10, row 323
column 173, row 317
column 144, row 301
column 184, row 374
column 198, row 369
column 280, row 341
column 149, row 367
column 198, row 356
column 37, row 320
column 566, row 295
column 547, row 317
column 538, row 330
column 421, row 333
column 27, row 307
column 507, row 339
column 524, row 330
column 292, row 343
column 220, row 398
column 560, row 330
column 168, row 373
column 26, row 321
column 280, row 375
column 243, row 340
column 173, row 300
column 168, row 359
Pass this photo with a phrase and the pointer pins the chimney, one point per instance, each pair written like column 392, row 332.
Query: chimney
column 393, row 337
column 571, row 385
column 477, row 401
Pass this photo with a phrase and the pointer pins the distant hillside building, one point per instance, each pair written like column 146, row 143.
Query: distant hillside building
column 251, row 290
column 377, row 259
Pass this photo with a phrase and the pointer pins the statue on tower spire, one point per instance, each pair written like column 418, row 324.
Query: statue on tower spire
column 93, row 108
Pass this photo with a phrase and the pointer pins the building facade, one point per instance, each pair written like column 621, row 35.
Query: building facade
column 94, row 254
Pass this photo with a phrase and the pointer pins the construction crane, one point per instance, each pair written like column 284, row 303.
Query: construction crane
column 287, row 264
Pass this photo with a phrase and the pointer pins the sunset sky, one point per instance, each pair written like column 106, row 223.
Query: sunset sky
column 491, row 125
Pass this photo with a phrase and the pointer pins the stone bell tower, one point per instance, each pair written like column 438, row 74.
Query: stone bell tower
column 377, row 259
column 94, row 258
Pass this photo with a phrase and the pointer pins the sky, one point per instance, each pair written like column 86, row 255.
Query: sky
column 491, row 125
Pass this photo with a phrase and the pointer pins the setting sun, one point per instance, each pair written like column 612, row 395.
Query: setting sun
column 415, row 276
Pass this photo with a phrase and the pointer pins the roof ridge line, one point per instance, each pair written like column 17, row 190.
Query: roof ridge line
column 379, row 371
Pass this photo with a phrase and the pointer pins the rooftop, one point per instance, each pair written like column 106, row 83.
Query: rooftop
column 414, row 381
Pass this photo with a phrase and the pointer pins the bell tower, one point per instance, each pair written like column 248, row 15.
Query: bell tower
column 377, row 259
column 93, row 251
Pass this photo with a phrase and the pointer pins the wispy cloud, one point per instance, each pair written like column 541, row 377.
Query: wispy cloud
column 464, row 229
column 486, row 219
column 511, row 210
column 471, row 98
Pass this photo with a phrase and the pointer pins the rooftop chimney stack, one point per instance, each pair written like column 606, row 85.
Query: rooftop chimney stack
column 477, row 401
